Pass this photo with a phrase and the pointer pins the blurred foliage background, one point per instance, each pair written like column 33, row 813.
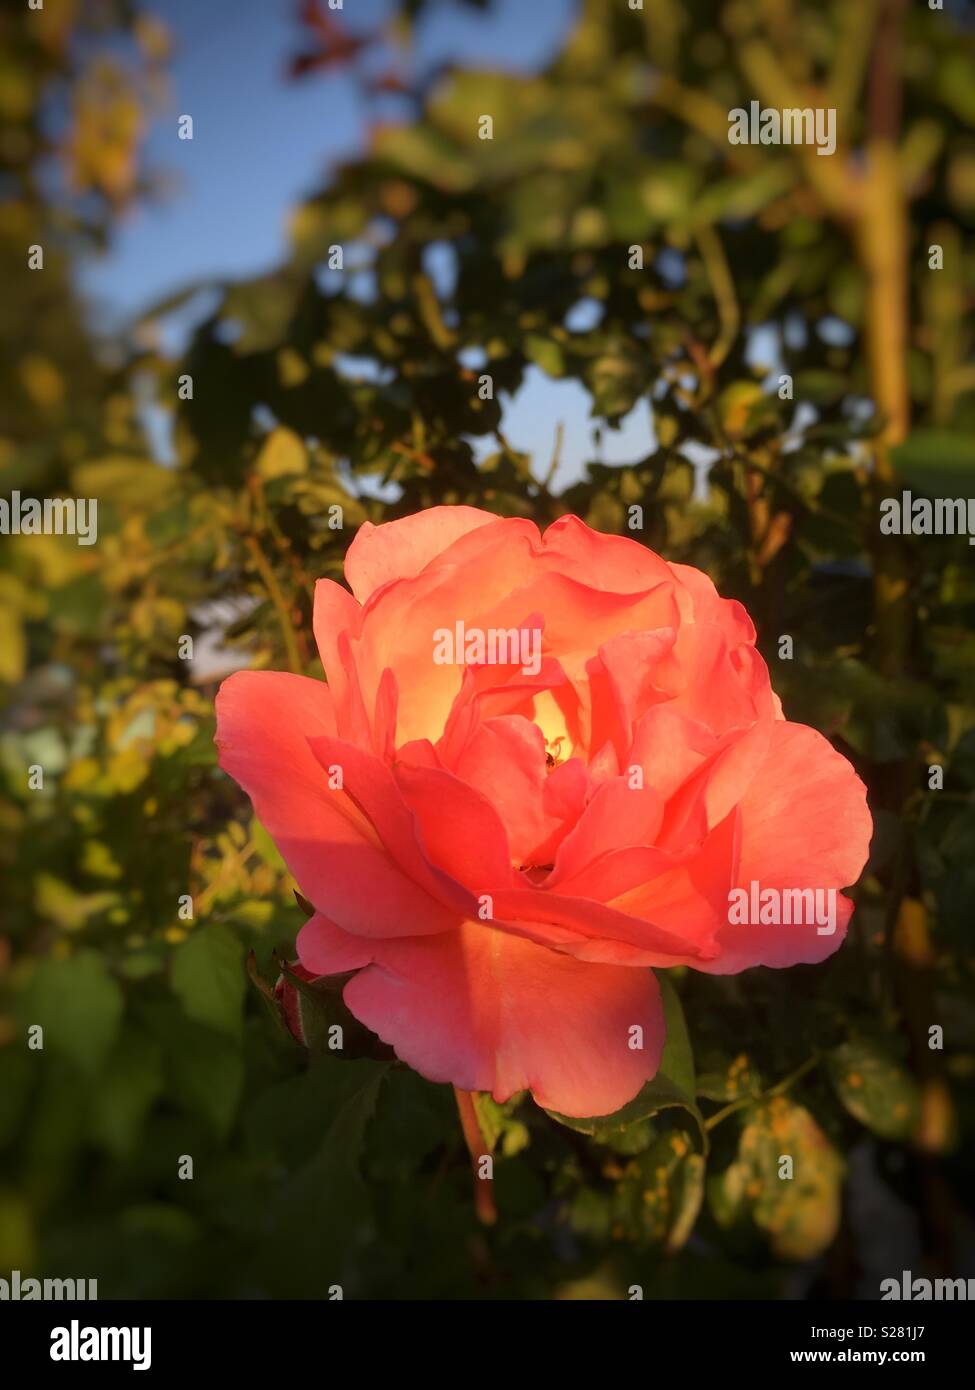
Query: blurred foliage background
column 310, row 1171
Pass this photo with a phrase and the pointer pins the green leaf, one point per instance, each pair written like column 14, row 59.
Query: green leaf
column 875, row 1088
column 13, row 643
column 658, row 1199
column 267, row 849
column 208, row 979
column 744, row 409
column 326, row 1204
column 820, row 386
column 499, row 1123
column 730, row 1080
column 63, row 905
column 204, row 1070
column 16, row 1087
column 658, row 1094
column 616, row 379
column 79, row 1005
column 281, row 454
column 545, row 353
column 127, row 1087
column 424, row 154
column 125, row 483
column 677, row 1061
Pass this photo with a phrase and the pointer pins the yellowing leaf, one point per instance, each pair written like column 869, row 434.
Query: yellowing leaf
column 799, row 1213
column 282, row 453
column 58, row 902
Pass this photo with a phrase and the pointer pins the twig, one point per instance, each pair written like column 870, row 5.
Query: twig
column 723, row 287
column 278, row 600
column 777, row 1090
column 556, row 456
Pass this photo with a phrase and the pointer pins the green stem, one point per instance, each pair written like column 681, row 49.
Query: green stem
column 778, row 1089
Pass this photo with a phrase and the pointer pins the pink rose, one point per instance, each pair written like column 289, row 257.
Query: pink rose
column 542, row 764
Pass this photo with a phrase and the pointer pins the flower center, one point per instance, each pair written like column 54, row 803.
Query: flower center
column 553, row 754
column 550, row 719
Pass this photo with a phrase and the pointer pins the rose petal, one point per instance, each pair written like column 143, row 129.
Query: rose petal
column 401, row 549
column 325, row 949
column 264, row 722
column 616, row 563
column 505, row 760
column 804, row 824
column 460, row 829
column 489, row 1011
column 373, row 789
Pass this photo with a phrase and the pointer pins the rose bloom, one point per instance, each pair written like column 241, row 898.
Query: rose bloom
column 501, row 852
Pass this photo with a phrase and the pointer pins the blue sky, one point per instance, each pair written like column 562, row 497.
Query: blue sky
column 261, row 142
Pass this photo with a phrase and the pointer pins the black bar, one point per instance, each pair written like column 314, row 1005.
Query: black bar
column 285, row 1338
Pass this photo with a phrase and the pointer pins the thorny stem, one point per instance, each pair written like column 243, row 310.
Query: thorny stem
column 486, row 1211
